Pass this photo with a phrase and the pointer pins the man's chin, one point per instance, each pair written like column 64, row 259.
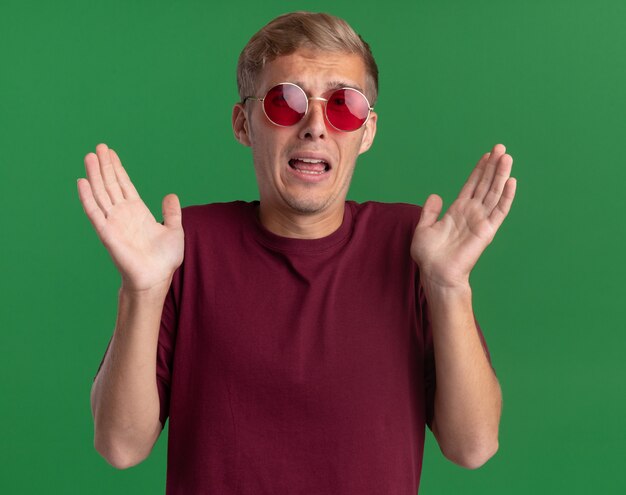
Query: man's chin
column 307, row 206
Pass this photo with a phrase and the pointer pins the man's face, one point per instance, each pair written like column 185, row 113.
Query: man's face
column 287, row 183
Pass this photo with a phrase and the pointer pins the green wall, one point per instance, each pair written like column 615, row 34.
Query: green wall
column 155, row 80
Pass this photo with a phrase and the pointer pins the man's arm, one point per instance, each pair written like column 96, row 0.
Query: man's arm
column 124, row 396
column 468, row 399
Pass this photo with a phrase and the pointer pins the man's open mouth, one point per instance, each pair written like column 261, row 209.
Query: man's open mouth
column 311, row 166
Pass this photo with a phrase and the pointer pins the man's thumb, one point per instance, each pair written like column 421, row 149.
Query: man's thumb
column 171, row 211
column 430, row 211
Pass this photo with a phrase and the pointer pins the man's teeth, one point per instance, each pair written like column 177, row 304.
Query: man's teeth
column 309, row 166
column 310, row 160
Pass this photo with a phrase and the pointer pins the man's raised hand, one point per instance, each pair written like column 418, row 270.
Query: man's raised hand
column 145, row 252
column 446, row 250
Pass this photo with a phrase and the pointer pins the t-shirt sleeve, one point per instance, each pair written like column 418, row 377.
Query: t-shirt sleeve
column 430, row 375
column 165, row 352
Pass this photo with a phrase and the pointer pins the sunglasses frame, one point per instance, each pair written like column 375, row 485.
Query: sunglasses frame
column 309, row 98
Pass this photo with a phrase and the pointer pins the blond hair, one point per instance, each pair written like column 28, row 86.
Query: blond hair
column 289, row 32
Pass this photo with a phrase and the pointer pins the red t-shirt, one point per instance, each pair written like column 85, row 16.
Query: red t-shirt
column 291, row 366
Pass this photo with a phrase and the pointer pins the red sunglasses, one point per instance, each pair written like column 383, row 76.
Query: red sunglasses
column 285, row 104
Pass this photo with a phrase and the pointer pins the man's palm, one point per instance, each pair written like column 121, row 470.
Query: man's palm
column 446, row 250
column 145, row 252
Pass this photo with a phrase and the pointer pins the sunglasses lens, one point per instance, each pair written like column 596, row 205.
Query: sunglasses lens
column 347, row 109
column 285, row 104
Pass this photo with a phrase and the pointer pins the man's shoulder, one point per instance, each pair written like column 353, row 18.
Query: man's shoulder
column 387, row 213
column 216, row 214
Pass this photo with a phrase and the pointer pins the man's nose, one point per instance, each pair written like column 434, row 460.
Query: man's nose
column 314, row 123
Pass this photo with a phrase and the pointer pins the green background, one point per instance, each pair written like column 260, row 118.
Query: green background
column 156, row 81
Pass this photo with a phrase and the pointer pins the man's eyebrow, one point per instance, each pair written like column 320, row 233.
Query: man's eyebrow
column 343, row 84
column 337, row 84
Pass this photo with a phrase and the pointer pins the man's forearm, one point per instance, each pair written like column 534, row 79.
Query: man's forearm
column 124, row 396
column 468, row 399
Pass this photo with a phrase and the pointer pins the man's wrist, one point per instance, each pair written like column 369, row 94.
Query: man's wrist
column 443, row 294
column 157, row 292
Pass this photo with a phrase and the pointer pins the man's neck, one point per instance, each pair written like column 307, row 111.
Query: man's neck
column 301, row 225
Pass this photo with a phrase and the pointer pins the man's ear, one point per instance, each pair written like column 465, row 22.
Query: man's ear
column 370, row 132
column 241, row 126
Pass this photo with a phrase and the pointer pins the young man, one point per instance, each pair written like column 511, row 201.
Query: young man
column 300, row 343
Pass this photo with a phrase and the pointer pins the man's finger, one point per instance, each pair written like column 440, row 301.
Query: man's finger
column 430, row 211
column 92, row 210
column 108, row 174
column 502, row 174
column 92, row 167
column 128, row 189
column 501, row 210
column 467, row 191
column 486, row 179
